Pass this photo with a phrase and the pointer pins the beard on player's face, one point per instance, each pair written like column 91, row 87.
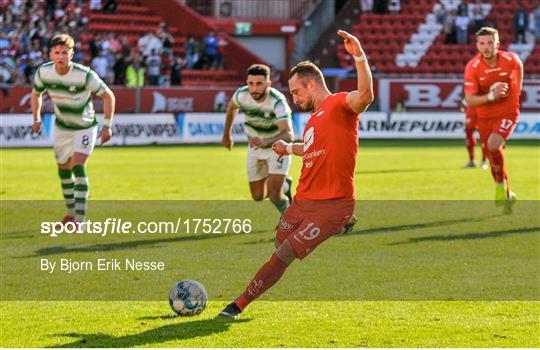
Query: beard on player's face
column 258, row 95
column 307, row 106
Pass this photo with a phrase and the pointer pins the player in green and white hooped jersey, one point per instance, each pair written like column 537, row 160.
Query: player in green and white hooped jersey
column 267, row 119
column 70, row 86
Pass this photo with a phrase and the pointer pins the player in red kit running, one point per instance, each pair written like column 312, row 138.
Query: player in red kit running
column 493, row 82
column 470, row 137
column 324, row 200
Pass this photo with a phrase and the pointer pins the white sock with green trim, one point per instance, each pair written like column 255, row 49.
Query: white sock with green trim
column 68, row 183
column 81, row 190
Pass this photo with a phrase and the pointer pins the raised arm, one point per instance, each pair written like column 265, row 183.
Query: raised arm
column 360, row 99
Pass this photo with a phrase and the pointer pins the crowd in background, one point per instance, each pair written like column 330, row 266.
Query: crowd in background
column 380, row 6
column 457, row 23
column 27, row 26
column 25, row 31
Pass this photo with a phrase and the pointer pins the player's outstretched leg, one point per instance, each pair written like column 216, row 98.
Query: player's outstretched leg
column 263, row 280
column 68, row 183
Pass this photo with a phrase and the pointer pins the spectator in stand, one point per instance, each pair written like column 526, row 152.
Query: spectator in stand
column 78, row 54
column 477, row 13
column 450, row 28
column 380, row 6
column 440, row 12
column 150, row 42
column 95, row 5
column 366, row 6
column 394, row 6
column 165, row 78
column 521, row 23
column 95, row 45
column 536, row 23
column 110, row 6
column 176, row 70
column 463, row 7
column 191, row 49
column 153, row 62
column 119, row 69
column 100, row 65
column 222, row 44
column 5, row 73
column 167, row 40
column 50, row 5
column 210, row 50
column 135, row 74
column 462, row 28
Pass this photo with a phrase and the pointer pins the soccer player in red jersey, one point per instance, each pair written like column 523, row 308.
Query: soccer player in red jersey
column 493, row 83
column 470, row 137
column 325, row 198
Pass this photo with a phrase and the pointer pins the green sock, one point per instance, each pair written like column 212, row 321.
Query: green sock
column 66, row 177
column 81, row 191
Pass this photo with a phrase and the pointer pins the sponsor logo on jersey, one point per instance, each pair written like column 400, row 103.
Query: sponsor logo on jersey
column 491, row 70
column 309, row 137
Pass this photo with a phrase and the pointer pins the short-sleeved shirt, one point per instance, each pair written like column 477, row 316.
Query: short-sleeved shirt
column 330, row 148
column 262, row 118
column 479, row 77
column 71, row 94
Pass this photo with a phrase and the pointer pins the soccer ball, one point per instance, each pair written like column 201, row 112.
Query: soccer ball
column 188, row 298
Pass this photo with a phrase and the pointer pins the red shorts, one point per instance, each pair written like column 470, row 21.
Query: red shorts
column 306, row 224
column 503, row 126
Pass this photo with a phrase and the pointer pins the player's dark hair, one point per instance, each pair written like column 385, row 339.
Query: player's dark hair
column 62, row 39
column 488, row 31
column 307, row 69
column 259, row 69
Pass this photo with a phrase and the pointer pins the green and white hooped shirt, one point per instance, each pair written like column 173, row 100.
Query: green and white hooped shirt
column 71, row 94
column 262, row 117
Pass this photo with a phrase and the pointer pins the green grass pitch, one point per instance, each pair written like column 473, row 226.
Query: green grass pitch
column 386, row 170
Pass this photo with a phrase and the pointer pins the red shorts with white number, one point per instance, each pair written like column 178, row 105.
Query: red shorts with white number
column 503, row 126
column 306, row 224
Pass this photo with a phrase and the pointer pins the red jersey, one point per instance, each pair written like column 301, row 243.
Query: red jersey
column 330, row 148
column 479, row 77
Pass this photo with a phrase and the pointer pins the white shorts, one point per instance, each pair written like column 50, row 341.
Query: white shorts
column 262, row 162
column 66, row 142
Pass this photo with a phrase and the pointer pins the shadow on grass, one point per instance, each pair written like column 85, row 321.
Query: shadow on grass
column 396, row 228
column 143, row 243
column 172, row 332
column 476, row 235
column 397, row 171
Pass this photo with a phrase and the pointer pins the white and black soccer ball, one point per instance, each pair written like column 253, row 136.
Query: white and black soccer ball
column 188, row 298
